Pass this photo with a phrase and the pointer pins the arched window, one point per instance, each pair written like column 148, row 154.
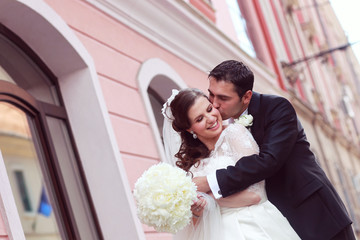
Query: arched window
column 159, row 91
column 240, row 27
column 156, row 80
column 37, row 146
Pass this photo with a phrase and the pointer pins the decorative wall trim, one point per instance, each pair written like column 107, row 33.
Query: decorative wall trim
column 148, row 71
column 200, row 43
column 70, row 62
column 8, row 208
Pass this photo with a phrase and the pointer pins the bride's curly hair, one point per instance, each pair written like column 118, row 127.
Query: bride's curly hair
column 191, row 150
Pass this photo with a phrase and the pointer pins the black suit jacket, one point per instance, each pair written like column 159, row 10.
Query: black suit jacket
column 295, row 183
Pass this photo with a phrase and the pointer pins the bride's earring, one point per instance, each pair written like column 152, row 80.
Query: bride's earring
column 194, row 134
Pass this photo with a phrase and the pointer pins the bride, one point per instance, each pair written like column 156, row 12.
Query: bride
column 206, row 145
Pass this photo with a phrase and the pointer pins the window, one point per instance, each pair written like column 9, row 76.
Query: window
column 159, row 90
column 239, row 23
column 35, row 137
column 19, row 147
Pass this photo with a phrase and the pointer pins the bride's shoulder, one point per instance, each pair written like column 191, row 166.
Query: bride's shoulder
column 235, row 128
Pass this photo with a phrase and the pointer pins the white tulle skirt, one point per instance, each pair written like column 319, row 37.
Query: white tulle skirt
column 262, row 221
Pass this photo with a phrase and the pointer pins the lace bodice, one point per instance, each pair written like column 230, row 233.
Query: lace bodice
column 234, row 142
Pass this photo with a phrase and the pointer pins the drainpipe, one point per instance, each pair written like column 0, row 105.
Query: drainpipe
column 269, row 44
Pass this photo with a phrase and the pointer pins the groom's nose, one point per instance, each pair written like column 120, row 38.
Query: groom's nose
column 215, row 103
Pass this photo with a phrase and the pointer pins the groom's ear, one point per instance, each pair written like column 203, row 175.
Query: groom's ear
column 247, row 97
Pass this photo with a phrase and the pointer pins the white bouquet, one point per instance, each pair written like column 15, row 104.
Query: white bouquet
column 164, row 195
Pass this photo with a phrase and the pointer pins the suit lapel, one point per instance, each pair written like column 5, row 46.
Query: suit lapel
column 254, row 109
column 254, row 104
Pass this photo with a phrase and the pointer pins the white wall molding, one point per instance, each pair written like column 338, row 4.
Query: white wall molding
column 148, row 71
column 182, row 30
column 8, row 208
column 57, row 45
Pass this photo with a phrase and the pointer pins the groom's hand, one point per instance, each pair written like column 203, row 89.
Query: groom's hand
column 201, row 184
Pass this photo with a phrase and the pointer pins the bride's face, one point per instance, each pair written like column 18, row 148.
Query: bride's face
column 205, row 120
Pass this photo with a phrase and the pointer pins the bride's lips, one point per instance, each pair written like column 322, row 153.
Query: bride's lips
column 215, row 125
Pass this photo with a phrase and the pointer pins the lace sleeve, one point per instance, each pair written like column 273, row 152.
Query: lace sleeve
column 241, row 141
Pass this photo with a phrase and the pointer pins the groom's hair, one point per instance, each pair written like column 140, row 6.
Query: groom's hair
column 236, row 73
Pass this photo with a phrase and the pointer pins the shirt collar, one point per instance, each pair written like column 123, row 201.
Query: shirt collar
column 231, row 120
column 245, row 112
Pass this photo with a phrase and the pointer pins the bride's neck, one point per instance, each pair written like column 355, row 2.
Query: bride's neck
column 209, row 143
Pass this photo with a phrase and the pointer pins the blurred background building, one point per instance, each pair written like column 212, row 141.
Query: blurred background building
column 82, row 83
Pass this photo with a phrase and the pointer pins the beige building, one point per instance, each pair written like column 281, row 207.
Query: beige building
column 324, row 83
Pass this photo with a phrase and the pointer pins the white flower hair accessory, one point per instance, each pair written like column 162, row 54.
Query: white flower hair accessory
column 246, row 120
column 166, row 111
column 164, row 195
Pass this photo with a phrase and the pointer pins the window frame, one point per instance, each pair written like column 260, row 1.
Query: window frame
column 39, row 110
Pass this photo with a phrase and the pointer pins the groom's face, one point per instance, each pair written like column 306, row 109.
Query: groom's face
column 223, row 96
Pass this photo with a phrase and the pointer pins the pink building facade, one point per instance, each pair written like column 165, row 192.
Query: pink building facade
column 83, row 81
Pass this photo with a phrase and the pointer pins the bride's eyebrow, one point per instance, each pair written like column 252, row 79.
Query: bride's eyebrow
column 200, row 115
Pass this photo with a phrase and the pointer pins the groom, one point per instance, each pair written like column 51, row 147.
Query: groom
column 295, row 183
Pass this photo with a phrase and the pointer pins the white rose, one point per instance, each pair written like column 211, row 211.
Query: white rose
column 245, row 120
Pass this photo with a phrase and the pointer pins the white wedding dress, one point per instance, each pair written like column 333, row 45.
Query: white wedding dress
column 262, row 221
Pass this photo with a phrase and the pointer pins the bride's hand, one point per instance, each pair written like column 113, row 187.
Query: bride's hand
column 198, row 207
